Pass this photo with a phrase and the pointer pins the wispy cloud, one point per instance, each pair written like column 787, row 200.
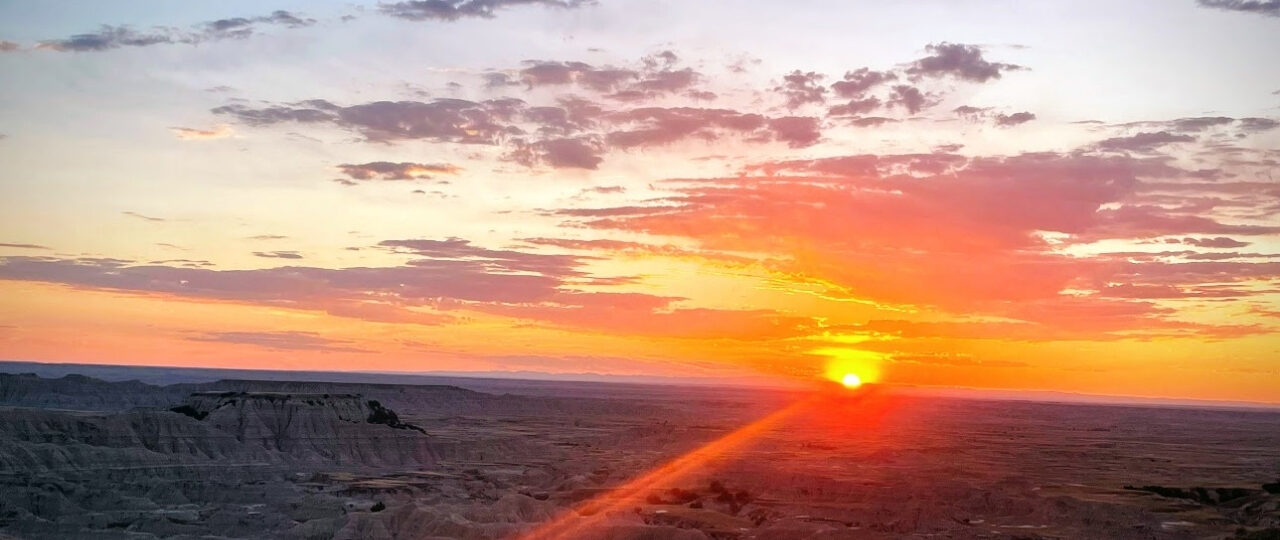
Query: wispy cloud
column 385, row 170
column 283, row 341
column 452, row 10
column 143, row 217
column 1260, row 7
column 21, row 246
column 113, row 37
column 220, row 131
column 277, row 254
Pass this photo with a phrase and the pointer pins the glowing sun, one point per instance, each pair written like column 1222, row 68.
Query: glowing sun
column 851, row 380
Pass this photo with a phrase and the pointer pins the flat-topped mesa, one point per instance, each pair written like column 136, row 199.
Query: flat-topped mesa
column 343, row 427
column 347, row 407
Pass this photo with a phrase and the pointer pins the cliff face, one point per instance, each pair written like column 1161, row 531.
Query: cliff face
column 35, row 440
column 253, row 429
column 341, row 428
column 77, row 392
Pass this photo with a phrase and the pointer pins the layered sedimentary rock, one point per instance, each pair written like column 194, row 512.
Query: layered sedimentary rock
column 35, row 440
column 316, row 428
column 77, row 392
column 221, row 462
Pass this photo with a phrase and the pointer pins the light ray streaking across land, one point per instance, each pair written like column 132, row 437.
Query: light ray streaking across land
column 592, row 513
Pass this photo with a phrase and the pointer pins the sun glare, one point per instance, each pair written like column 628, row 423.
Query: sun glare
column 851, row 368
column 851, row 380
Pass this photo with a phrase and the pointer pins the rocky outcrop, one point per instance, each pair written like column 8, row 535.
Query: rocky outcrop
column 343, row 429
column 33, row 440
column 78, row 392
column 263, row 429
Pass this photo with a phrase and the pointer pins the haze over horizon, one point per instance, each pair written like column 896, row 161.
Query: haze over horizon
column 1035, row 198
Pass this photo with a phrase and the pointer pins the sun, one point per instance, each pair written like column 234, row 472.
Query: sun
column 851, row 380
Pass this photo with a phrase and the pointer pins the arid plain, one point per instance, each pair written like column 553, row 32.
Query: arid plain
column 82, row 457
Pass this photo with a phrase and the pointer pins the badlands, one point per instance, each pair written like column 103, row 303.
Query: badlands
column 83, row 457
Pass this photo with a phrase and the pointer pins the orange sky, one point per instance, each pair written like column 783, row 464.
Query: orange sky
column 584, row 193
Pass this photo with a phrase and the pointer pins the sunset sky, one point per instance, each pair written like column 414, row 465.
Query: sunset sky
column 1078, row 196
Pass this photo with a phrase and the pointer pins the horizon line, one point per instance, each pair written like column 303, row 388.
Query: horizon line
column 762, row 382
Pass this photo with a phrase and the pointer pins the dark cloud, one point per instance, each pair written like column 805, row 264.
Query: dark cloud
column 498, row 260
column 1143, row 142
column 452, row 10
column 1218, row 242
column 800, row 88
column 575, row 133
column 442, row 275
column 1195, row 124
column 796, row 131
column 1145, row 221
column 284, row 341
column 701, row 95
column 1199, row 123
column 570, row 117
column 976, row 114
column 438, row 270
column 1014, row 119
column 858, row 82
column 855, row 107
column 386, row 170
column 1159, row 292
column 113, row 37
column 448, row 120
column 9, row 46
column 496, row 79
column 605, row 189
column 960, row 61
column 569, row 153
column 21, row 246
column 970, row 111
column 651, row 126
column 267, row 237
column 306, row 112
column 662, row 82
column 1258, row 124
column 1261, row 7
column 660, row 60
column 285, row 18
column 239, row 27
column 910, row 98
column 277, row 254
column 605, row 79
column 654, row 78
column 869, row 121
column 189, row 263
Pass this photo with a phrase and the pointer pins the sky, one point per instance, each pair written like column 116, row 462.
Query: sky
column 1070, row 196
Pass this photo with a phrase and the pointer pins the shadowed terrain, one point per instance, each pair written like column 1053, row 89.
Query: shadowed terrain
column 86, row 458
